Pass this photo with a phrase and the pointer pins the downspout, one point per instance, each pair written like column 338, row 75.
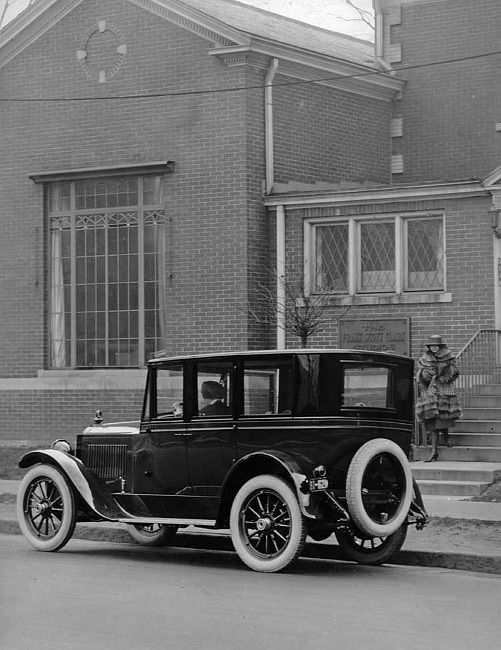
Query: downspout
column 269, row 182
column 378, row 29
column 280, row 277
column 268, row 124
column 379, row 37
column 495, row 214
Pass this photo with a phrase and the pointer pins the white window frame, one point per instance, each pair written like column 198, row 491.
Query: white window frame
column 354, row 257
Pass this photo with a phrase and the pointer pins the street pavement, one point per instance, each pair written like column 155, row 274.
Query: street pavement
column 464, row 535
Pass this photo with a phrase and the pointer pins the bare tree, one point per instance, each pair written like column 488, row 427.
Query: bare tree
column 290, row 308
column 365, row 15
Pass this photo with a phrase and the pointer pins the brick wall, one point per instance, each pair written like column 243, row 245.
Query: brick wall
column 212, row 199
column 324, row 134
column 449, row 111
column 468, row 236
column 45, row 415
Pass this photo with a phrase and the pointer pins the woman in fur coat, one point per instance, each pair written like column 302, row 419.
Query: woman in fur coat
column 438, row 406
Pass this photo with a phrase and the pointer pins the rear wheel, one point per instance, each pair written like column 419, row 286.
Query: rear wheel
column 153, row 534
column 371, row 550
column 46, row 508
column 268, row 529
column 379, row 488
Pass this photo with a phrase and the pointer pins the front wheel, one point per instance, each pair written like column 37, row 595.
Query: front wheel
column 46, row 508
column 267, row 526
column 152, row 534
column 371, row 550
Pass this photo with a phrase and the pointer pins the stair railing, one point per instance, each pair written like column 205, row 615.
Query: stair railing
column 479, row 364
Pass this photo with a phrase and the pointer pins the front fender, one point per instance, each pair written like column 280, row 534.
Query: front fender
column 265, row 462
column 98, row 500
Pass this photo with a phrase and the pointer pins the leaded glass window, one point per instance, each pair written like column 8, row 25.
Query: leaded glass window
column 425, row 254
column 382, row 255
column 107, row 271
column 331, row 272
column 377, row 257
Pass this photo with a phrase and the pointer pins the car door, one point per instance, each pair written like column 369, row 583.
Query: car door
column 210, row 432
column 160, row 460
column 267, row 393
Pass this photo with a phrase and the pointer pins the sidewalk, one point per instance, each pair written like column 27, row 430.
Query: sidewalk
column 463, row 535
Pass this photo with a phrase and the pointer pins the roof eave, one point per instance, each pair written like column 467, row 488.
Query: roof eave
column 336, row 72
column 459, row 189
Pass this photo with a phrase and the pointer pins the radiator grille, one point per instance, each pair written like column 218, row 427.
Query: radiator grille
column 107, row 461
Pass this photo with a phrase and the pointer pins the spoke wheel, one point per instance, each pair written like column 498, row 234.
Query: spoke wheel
column 46, row 508
column 371, row 550
column 267, row 527
column 379, row 488
column 152, row 534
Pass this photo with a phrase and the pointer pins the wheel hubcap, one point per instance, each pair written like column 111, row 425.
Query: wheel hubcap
column 264, row 524
column 42, row 508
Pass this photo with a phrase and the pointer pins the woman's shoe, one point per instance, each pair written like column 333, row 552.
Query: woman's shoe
column 433, row 457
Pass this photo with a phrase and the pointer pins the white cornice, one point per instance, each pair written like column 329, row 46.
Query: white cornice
column 32, row 23
column 424, row 192
column 354, row 78
column 398, row 3
column 43, row 14
column 494, row 179
column 194, row 21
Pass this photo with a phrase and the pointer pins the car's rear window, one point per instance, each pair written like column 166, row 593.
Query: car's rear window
column 367, row 386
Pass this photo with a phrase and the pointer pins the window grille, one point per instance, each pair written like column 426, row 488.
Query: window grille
column 107, row 257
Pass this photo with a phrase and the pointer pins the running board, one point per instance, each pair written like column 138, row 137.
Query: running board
column 168, row 521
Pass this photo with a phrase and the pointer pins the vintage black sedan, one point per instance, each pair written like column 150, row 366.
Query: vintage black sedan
column 274, row 445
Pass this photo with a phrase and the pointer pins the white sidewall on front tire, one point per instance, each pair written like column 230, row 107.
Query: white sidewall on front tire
column 27, row 520
column 276, row 486
column 354, row 494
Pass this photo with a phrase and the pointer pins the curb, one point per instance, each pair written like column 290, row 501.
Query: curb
column 313, row 550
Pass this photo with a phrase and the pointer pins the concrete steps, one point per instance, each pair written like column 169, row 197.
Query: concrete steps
column 466, row 454
column 474, row 462
column 453, row 478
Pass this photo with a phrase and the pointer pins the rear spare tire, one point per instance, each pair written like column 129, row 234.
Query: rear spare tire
column 379, row 488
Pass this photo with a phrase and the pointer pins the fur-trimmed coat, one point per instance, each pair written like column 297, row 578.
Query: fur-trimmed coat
column 436, row 376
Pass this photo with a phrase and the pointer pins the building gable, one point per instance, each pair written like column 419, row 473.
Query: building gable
column 305, row 52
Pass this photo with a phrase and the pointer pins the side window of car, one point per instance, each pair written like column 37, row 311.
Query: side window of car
column 169, row 393
column 267, row 386
column 367, row 386
column 213, row 383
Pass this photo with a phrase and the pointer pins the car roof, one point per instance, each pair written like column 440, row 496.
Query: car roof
column 252, row 353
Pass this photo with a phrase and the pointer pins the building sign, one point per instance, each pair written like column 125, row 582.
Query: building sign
column 385, row 335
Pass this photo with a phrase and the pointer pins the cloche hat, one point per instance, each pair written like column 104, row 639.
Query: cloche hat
column 435, row 339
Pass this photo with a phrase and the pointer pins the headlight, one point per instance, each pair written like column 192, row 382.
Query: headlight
column 62, row 445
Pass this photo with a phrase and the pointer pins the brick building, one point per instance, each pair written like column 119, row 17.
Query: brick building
column 158, row 156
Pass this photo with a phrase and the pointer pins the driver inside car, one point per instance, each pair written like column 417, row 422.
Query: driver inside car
column 213, row 394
